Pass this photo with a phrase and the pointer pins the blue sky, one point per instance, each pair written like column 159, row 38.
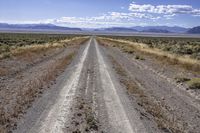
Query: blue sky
column 102, row 13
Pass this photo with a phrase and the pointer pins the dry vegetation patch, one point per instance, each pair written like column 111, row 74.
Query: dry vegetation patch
column 176, row 45
column 183, row 60
column 7, row 51
column 194, row 83
column 24, row 57
column 17, row 92
column 161, row 113
column 18, row 101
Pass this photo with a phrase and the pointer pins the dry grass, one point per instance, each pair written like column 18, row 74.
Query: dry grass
column 194, row 83
column 18, row 101
column 174, row 59
column 138, row 57
column 181, row 79
column 160, row 112
column 30, row 90
column 43, row 47
column 33, row 54
column 37, row 48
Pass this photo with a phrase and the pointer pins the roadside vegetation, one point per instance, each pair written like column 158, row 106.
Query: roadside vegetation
column 175, row 45
column 27, row 92
column 30, row 69
column 194, row 83
column 160, row 112
column 176, row 51
column 12, row 44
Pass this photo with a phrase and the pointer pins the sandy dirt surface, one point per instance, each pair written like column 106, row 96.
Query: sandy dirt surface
column 180, row 105
column 92, row 95
column 27, row 76
column 87, row 97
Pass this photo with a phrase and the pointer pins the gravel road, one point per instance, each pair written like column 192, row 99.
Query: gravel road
column 89, row 97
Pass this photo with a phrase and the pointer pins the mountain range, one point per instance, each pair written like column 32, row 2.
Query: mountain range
column 174, row 29
column 35, row 27
column 153, row 29
column 195, row 30
column 150, row 29
column 117, row 29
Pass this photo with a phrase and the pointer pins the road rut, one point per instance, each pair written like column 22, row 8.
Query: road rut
column 88, row 97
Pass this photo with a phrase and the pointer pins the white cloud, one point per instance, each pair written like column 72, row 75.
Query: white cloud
column 169, row 16
column 109, row 19
column 136, row 15
column 164, row 9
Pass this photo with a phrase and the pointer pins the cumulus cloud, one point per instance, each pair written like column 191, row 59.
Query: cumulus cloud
column 164, row 9
column 169, row 16
column 92, row 22
column 136, row 14
column 132, row 15
column 108, row 19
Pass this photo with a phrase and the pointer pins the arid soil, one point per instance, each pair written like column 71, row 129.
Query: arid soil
column 99, row 89
column 174, row 107
column 26, row 76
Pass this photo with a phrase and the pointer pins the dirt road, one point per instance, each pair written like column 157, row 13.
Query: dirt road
column 89, row 97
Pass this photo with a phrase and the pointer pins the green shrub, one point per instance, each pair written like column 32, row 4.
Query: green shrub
column 176, row 45
column 181, row 79
column 137, row 57
column 194, row 83
column 6, row 55
column 4, row 48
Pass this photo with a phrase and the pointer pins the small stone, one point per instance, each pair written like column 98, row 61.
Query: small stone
column 76, row 123
column 79, row 114
column 163, row 98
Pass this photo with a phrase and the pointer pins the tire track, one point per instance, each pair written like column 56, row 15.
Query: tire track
column 116, row 112
column 55, row 120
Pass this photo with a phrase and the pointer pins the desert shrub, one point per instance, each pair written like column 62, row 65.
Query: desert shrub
column 176, row 45
column 12, row 43
column 137, row 57
column 194, row 83
column 196, row 56
column 180, row 79
column 21, row 39
column 6, row 55
column 4, row 48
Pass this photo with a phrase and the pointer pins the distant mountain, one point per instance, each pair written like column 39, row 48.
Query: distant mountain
column 117, row 29
column 174, row 29
column 156, row 31
column 35, row 27
column 195, row 30
column 153, row 29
